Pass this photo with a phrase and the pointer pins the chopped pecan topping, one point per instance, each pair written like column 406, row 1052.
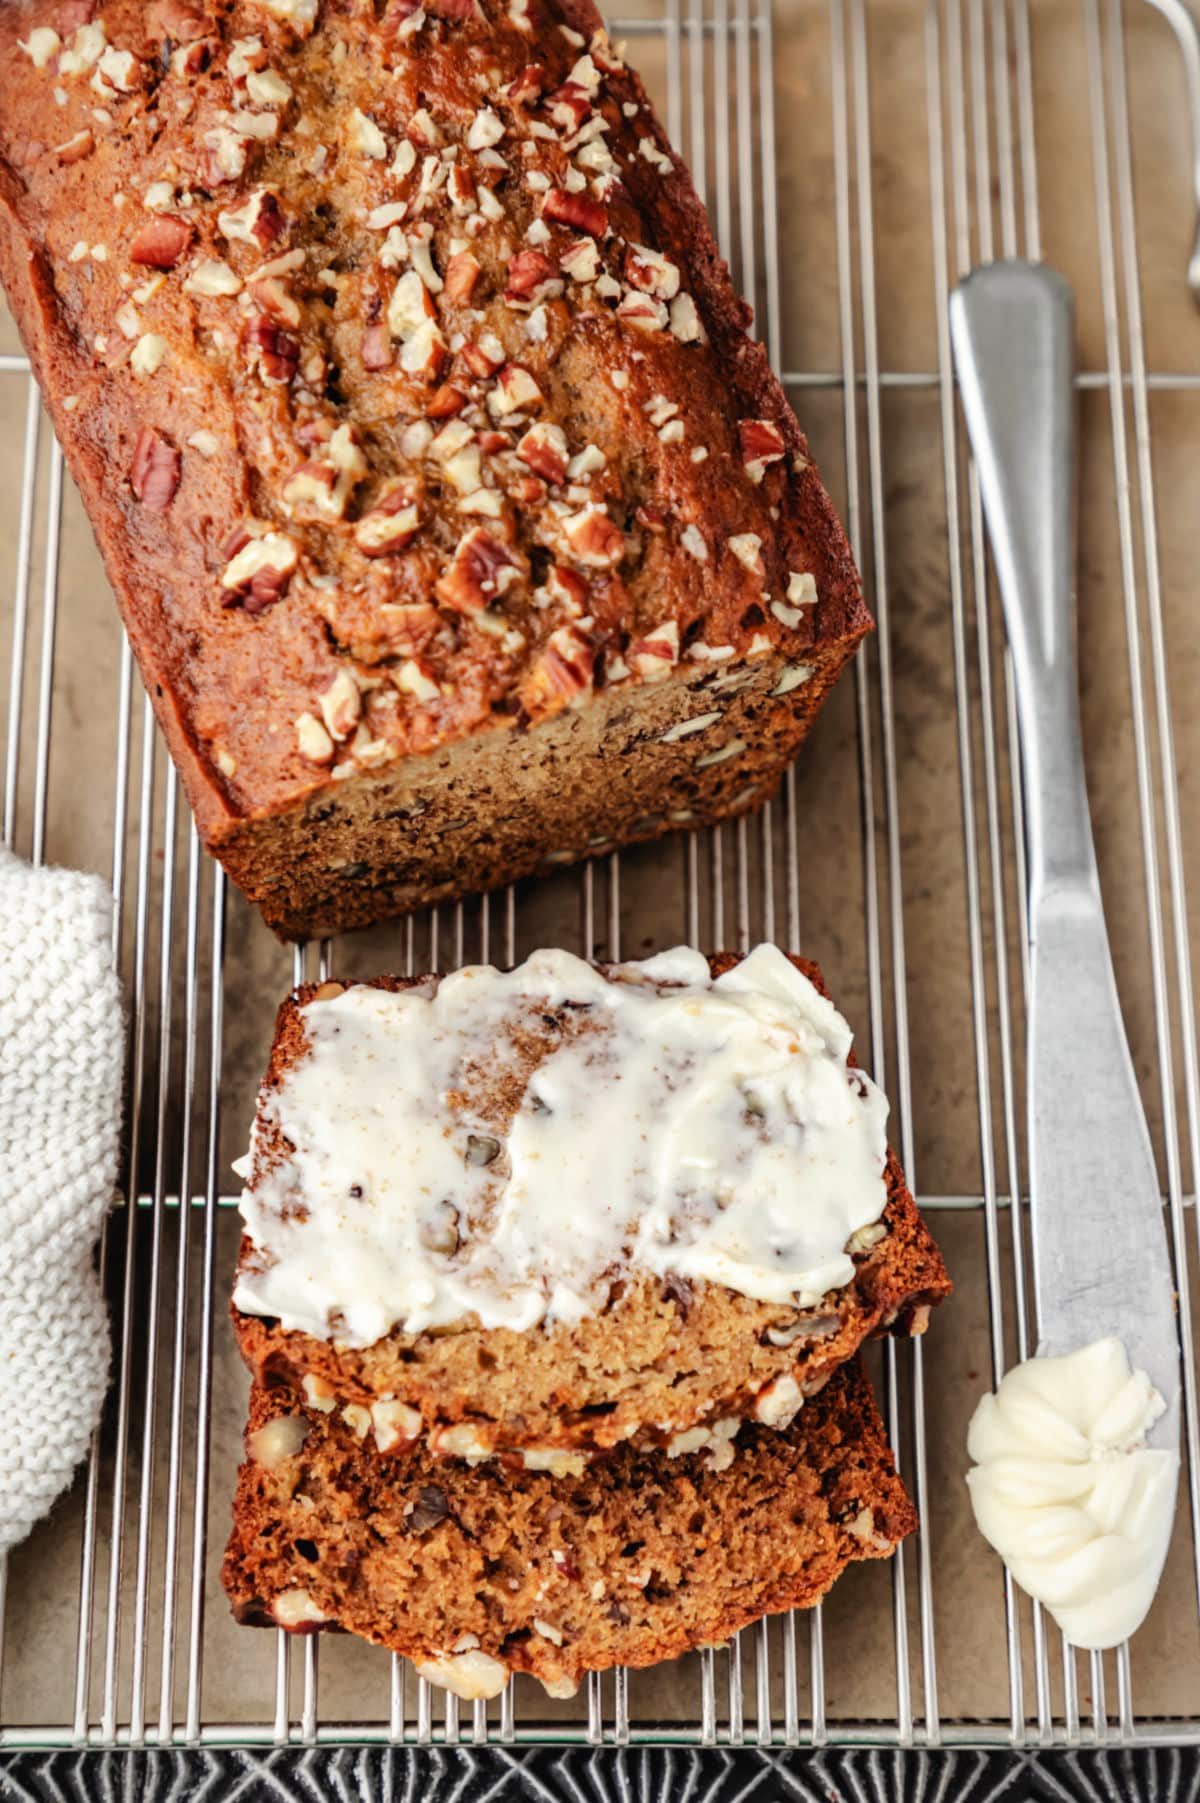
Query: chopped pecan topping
column 275, row 298
column 258, row 574
column 655, row 657
column 563, row 673
column 481, row 571
column 566, row 588
column 259, row 220
column 155, row 472
column 580, row 211
column 312, row 741
column 179, row 20
column 581, row 260
column 415, row 677
column 685, row 320
column 747, row 548
column 278, row 353
column 527, row 85
column 515, row 389
column 193, row 59
column 213, row 279
column 483, row 359
column 311, row 487
column 529, row 274
column 762, row 443
column 398, row 14
column 461, row 188
column 445, row 402
column 412, row 319
column 410, row 625
column 651, row 272
column 341, row 705
column 320, row 489
column 161, row 242
column 462, row 273
column 391, row 524
column 544, row 449
column 594, row 539
column 644, row 311
column 376, row 349
column 570, row 105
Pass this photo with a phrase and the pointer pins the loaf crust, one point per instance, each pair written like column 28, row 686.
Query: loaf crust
column 360, row 734
column 661, row 1360
column 641, row 1559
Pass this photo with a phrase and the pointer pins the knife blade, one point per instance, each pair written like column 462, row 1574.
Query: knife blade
column 1101, row 1261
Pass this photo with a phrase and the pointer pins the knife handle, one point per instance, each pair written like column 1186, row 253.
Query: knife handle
column 1012, row 326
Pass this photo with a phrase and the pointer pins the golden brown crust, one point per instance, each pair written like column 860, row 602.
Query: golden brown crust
column 234, row 430
column 639, row 1560
column 660, row 1360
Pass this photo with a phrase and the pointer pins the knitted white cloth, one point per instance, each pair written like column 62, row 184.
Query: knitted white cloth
column 61, row 1056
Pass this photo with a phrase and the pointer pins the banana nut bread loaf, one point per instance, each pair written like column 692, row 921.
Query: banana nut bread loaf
column 552, row 1211
column 457, row 525
column 477, row 1574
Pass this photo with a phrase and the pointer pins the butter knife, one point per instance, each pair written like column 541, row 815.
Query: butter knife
column 1101, row 1265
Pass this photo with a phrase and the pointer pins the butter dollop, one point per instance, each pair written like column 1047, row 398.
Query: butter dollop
column 1069, row 1494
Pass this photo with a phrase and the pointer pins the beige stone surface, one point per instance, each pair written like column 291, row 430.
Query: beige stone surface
column 886, row 906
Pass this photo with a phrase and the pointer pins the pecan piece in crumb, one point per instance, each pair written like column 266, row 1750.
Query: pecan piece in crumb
column 155, row 471
column 678, row 1290
column 430, row 1508
column 76, row 148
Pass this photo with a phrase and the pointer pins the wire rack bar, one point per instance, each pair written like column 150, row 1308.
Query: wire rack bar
column 142, row 1666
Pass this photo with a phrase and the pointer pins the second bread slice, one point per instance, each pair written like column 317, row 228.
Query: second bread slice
column 631, row 1167
column 479, row 1574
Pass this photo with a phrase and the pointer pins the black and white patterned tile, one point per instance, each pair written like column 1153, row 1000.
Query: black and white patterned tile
column 608, row 1775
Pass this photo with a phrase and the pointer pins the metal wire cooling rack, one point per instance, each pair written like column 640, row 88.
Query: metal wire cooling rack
column 856, row 159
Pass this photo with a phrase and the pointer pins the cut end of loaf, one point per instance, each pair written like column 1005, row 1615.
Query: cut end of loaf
column 710, row 741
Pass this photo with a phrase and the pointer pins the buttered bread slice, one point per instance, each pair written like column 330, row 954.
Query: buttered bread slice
column 555, row 1210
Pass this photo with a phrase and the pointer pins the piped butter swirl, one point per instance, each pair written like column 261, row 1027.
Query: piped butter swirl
column 1069, row 1494
column 664, row 1122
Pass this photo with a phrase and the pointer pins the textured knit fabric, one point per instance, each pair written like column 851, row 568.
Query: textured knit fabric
column 61, row 1056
